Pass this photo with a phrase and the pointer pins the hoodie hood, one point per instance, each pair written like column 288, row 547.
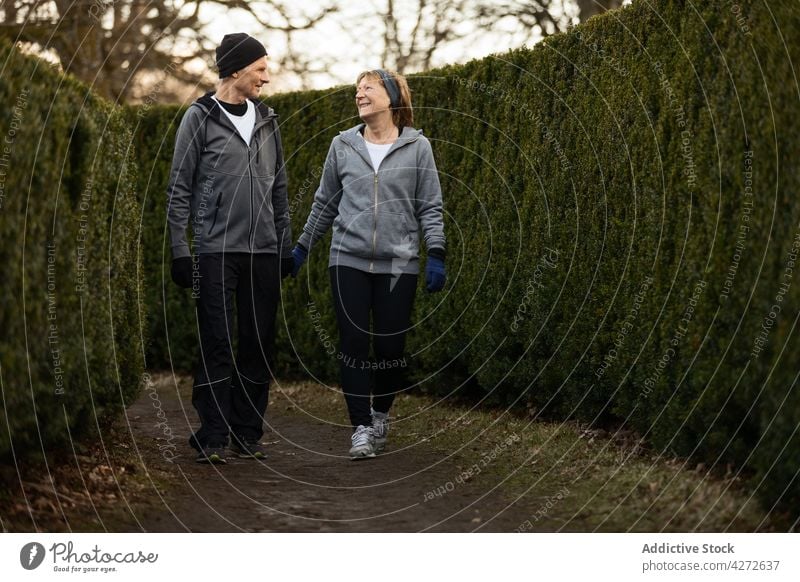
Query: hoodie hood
column 351, row 136
column 354, row 137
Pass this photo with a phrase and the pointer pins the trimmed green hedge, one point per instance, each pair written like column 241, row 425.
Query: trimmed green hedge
column 71, row 309
column 622, row 213
column 170, row 312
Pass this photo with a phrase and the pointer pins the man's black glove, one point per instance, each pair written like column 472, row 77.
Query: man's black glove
column 182, row 272
column 287, row 265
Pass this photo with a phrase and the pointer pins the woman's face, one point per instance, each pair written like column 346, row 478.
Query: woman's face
column 372, row 98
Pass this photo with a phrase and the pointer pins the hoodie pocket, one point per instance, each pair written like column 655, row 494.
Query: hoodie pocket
column 396, row 237
column 263, row 157
column 381, row 235
column 352, row 233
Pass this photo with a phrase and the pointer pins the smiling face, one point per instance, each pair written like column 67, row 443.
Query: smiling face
column 371, row 98
column 250, row 79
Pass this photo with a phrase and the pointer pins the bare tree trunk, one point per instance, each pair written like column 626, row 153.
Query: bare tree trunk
column 589, row 8
column 109, row 44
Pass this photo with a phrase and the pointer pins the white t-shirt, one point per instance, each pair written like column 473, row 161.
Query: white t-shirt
column 244, row 124
column 377, row 151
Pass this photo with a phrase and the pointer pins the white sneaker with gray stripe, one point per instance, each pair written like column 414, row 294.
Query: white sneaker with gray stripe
column 363, row 443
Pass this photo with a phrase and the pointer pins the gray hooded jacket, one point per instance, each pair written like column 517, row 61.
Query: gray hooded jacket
column 377, row 216
column 233, row 195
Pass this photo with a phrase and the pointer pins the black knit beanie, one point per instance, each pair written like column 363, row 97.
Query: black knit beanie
column 236, row 51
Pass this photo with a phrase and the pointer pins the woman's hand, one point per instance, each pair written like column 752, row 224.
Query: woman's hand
column 299, row 254
column 435, row 273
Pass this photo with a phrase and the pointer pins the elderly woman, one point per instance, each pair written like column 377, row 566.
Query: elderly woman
column 378, row 189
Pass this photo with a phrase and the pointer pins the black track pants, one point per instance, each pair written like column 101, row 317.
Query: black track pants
column 230, row 392
column 389, row 299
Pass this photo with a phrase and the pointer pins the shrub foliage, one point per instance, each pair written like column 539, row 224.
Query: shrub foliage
column 71, row 309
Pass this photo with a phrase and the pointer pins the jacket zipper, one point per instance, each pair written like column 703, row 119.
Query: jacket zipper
column 250, row 176
column 216, row 213
column 258, row 125
column 254, row 138
column 374, row 222
column 375, row 207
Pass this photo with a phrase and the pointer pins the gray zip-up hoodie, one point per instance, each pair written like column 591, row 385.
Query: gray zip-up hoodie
column 377, row 215
column 234, row 194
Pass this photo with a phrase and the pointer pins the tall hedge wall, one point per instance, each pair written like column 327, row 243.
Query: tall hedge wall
column 71, row 309
column 623, row 228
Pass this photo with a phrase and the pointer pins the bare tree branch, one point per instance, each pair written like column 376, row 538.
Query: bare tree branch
column 111, row 43
column 589, row 8
column 115, row 45
column 414, row 32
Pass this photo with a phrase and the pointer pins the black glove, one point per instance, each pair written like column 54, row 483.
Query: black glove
column 287, row 266
column 182, row 272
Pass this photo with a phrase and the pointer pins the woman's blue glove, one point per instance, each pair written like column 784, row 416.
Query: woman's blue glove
column 435, row 274
column 299, row 254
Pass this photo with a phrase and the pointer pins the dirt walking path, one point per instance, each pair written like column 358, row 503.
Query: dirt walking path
column 448, row 468
column 307, row 484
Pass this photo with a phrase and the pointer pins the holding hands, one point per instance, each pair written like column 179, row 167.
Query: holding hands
column 299, row 254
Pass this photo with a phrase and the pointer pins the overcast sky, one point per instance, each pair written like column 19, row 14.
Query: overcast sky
column 329, row 37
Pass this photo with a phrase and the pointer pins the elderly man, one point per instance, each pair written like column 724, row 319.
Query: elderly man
column 228, row 185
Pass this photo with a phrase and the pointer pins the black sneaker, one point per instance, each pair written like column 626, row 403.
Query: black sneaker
column 214, row 455
column 248, row 449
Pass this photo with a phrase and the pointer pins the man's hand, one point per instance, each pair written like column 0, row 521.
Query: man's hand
column 287, row 266
column 182, row 272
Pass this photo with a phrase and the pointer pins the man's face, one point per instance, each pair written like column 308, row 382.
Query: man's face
column 252, row 78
